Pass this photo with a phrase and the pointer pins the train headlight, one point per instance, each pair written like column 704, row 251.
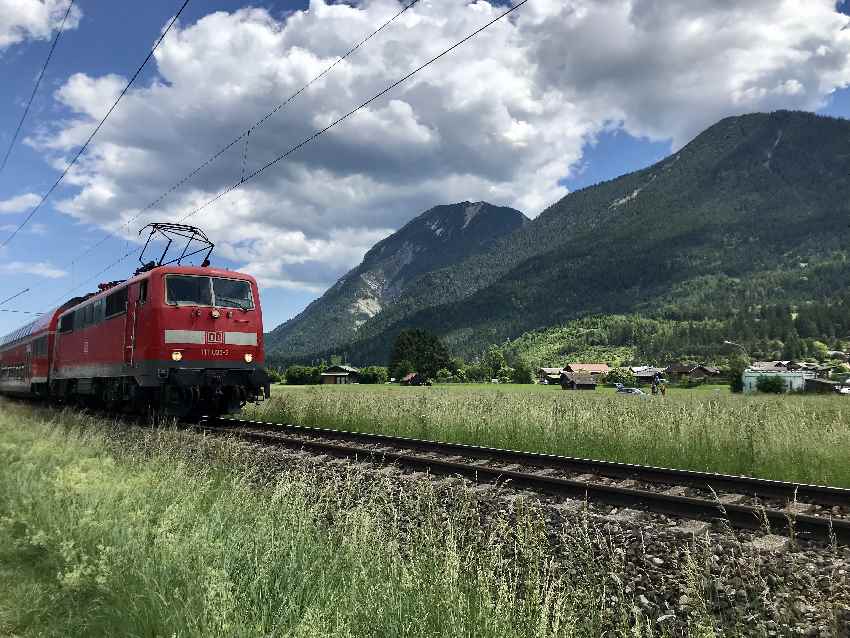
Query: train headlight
column 176, row 356
column 215, row 314
column 249, row 358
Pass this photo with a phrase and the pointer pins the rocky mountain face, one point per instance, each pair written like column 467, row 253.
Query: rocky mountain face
column 754, row 211
column 440, row 237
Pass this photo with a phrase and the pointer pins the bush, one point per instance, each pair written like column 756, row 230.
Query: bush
column 374, row 375
column 770, row 384
column 444, row 375
column 303, row 375
column 275, row 375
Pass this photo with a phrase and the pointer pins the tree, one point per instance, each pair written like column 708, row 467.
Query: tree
column 770, row 384
column 423, row 350
column 621, row 375
column 495, row 360
column 401, row 369
column 738, row 362
column 374, row 375
column 522, row 373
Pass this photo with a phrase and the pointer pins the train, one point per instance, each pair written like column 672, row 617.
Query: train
column 180, row 341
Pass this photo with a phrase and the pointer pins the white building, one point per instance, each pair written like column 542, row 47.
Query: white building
column 795, row 380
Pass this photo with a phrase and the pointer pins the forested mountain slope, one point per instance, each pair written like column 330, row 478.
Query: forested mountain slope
column 754, row 211
column 440, row 237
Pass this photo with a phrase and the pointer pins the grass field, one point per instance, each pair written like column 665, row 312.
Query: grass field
column 800, row 438
column 110, row 531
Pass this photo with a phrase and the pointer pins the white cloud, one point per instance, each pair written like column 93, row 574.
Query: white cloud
column 33, row 20
column 503, row 118
column 19, row 203
column 36, row 269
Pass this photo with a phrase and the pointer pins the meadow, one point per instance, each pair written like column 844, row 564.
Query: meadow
column 794, row 438
column 110, row 530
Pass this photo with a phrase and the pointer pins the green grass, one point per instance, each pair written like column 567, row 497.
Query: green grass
column 106, row 531
column 794, row 438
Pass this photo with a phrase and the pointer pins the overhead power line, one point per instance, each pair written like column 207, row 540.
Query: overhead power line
column 96, row 128
column 35, row 88
column 244, row 135
column 377, row 95
column 15, row 296
column 20, row 312
column 318, row 133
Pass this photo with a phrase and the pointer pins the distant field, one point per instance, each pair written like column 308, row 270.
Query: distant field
column 495, row 387
column 800, row 438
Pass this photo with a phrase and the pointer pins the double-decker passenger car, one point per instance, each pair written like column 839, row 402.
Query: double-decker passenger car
column 183, row 341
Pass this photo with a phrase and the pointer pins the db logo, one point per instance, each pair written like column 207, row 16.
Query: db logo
column 215, row 337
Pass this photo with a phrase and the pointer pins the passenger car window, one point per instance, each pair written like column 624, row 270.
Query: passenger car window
column 232, row 293
column 188, row 290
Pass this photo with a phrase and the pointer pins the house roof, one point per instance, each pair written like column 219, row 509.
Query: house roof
column 341, row 369
column 600, row 368
column 646, row 372
column 547, row 371
column 580, row 378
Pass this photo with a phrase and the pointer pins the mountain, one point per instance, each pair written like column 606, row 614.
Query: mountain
column 753, row 212
column 440, row 237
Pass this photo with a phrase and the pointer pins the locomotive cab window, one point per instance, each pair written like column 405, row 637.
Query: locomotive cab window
column 233, row 293
column 208, row 291
column 183, row 290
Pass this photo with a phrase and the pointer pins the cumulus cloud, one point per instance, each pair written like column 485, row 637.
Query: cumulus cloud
column 19, row 203
column 504, row 118
column 33, row 20
column 36, row 269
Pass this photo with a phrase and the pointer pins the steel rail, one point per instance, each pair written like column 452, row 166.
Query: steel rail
column 745, row 485
column 738, row 516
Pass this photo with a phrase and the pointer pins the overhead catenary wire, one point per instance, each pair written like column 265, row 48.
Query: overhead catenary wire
column 96, row 128
column 245, row 134
column 320, row 132
column 35, row 88
column 341, row 119
column 15, row 296
column 21, row 312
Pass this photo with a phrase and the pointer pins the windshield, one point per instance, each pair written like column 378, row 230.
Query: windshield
column 208, row 291
column 188, row 290
column 231, row 293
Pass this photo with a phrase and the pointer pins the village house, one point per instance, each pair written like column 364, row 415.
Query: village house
column 794, row 380
column 647, row 374
column 549, row 376
column 414, row 378
column 577, row 381
column 693, row 372
column 340, row 375
column 595, row 370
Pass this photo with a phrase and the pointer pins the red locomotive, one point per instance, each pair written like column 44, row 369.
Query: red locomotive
column 179, row 340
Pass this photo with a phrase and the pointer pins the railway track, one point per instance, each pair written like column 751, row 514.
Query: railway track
column 811, row 512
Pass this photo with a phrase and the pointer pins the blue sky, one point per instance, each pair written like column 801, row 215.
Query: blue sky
column 112, row 38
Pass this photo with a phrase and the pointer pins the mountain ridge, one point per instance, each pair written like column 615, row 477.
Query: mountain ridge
column 440, row 236
column 718, row 226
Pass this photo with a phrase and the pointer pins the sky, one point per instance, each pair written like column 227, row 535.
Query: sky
column 560, row 95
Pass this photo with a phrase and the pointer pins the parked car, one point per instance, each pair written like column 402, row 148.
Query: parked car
column 623, row 390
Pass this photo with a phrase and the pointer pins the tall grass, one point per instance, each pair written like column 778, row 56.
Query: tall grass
column 794, row 438
column 146, row 537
